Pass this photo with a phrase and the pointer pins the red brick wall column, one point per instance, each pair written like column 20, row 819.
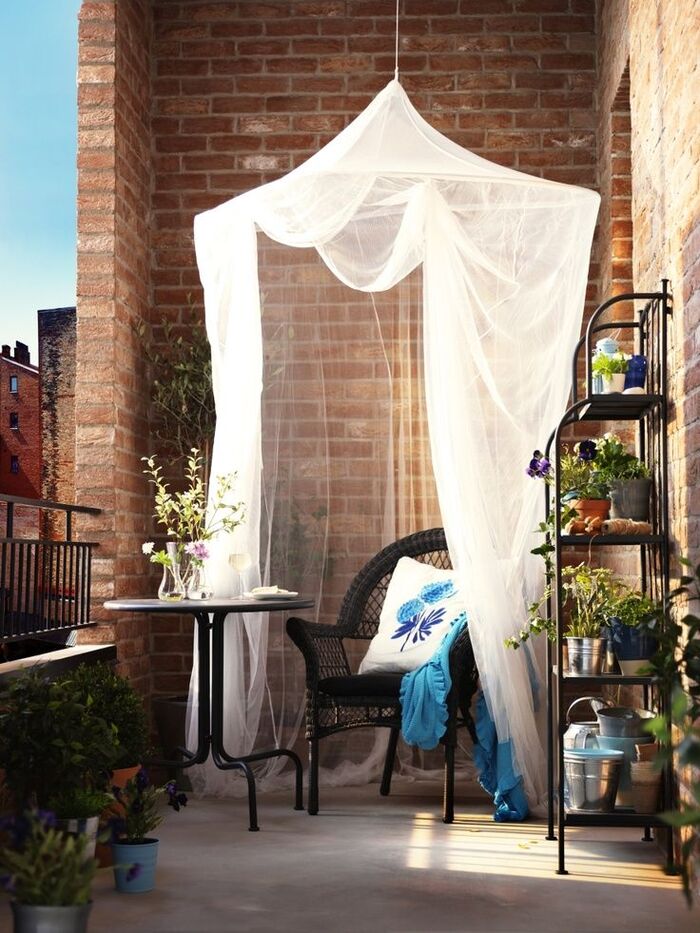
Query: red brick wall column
column 114, row 177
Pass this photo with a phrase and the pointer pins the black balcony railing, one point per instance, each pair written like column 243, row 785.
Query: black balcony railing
column 44, row 583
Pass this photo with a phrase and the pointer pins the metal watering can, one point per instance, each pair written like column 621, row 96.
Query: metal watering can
column 583, row 734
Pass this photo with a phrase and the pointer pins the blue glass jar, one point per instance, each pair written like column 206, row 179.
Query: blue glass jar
column 636, row 374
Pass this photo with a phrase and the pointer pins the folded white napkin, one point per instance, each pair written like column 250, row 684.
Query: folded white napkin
column 267, row 590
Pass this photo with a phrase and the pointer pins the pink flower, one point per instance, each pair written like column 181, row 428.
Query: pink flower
column 197, row 549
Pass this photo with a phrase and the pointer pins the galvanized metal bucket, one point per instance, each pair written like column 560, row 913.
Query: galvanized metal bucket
column 592, row 776
column 621, row 721
column 586, row 656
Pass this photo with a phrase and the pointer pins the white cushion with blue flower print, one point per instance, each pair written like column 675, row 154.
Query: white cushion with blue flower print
column 422, row 603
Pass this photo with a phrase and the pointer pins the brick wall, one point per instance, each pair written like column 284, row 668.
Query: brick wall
column 665, row 203
column 660, row 40
column 114, row 178
column 243, row 92
column 212, row 98
column 57, row 329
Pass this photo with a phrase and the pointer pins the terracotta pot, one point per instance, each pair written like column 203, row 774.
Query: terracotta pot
column 120, row 777
column 592, row 508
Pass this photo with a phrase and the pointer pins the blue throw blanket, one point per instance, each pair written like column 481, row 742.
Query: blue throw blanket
column 424, row 719
column 424, row 692
column 494, row 763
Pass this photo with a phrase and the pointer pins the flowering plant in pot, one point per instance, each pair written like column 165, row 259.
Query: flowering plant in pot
column 581, row 484
column 137, row 814
column 47, row 874
column 189, row 522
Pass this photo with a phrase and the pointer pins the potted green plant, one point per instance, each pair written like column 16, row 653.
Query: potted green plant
column 78, row 811
column 589, row 597
column 51, row 742
column 611, row 368
column 632, row 641
column 48, row 875
column 138, row 814
column 112, row 698
column 589, row 594
column 626, row 477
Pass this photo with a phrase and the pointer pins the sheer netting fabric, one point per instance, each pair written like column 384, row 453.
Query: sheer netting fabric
column 390, row 327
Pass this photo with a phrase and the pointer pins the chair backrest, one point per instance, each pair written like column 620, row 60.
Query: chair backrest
column 362, row 605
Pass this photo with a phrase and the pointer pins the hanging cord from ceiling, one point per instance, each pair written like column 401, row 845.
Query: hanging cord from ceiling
column 396, row 48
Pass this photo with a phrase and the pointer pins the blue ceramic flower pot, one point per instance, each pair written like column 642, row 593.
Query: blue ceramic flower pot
column 631, row 644
column 135, row 865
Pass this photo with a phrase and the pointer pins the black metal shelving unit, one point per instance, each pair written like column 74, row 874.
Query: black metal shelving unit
column 648, row 411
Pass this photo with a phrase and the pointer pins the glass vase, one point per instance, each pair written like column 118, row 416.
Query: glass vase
column 171, row 587
column 197, row 582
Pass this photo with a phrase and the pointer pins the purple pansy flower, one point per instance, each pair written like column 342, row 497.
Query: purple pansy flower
column 134, row 871
column 142, row 779
column 587, row 450
column 539, row 466
column 175, row 799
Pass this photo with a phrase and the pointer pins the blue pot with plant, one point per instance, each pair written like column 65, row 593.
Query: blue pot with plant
column 633, row 640
column 137, row 814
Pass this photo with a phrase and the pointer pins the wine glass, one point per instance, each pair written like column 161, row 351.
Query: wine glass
column 240, row 562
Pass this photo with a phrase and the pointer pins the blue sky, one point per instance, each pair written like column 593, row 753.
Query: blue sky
column 37, row 162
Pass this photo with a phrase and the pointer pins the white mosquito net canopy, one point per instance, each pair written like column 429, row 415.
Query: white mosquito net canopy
column 466, row 281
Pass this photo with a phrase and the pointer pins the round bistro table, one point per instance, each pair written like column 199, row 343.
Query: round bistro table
column 210, row 619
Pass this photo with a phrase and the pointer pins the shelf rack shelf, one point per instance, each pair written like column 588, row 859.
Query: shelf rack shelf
column 618, row 407
column 648, row 411
column 602, row 540
column 619, row 817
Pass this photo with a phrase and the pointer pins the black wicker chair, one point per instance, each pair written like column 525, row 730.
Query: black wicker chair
column 337, row 699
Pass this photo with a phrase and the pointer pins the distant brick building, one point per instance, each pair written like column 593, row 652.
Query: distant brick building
column 56, row 330
column 20, row 423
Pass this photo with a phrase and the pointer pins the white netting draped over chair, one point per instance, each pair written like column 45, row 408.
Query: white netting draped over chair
column 405, row 222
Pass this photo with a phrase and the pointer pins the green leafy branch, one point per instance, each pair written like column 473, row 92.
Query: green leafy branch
column 182, row 397
column 676, row 664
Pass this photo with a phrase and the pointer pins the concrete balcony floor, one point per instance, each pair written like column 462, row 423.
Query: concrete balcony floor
column 367, row 864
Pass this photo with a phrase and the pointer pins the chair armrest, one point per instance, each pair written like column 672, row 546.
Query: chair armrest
column 322, row 648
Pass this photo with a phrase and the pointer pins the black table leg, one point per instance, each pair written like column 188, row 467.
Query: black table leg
column 220, row 756
column 204, row 700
